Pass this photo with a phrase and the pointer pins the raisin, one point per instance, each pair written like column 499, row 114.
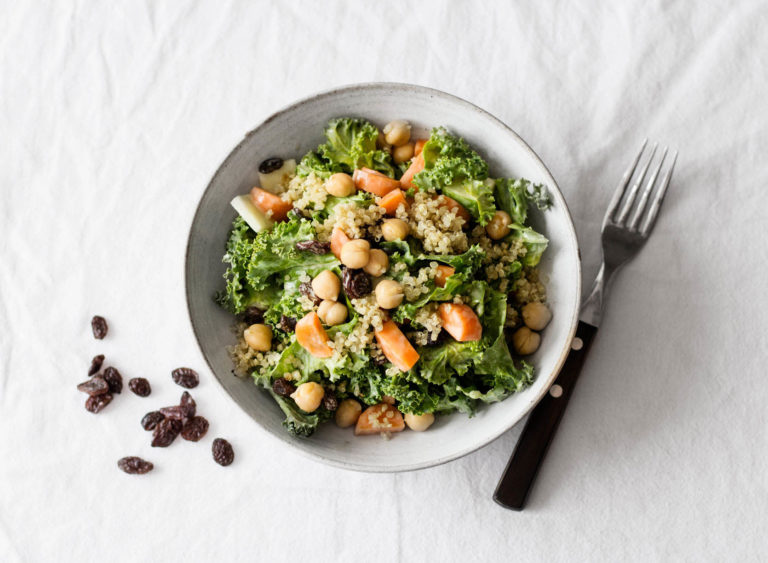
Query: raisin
column 270, row 165
column 314, row 246
column 195, row 429
column 223, row 454
column 330, row 402
column 165, row 433
column 135, row 465
column 188, row 402
column 288, row 324
column 96, row 364
column 140, row 386
column 283, row 387
column 356, row 283
column 94, row 386
column 253, row 315
column 186, row 377
column 151, row 420
column 96, row 403
column 113, row 379
column 183, row 411
column 306, row 289
column 99, row 327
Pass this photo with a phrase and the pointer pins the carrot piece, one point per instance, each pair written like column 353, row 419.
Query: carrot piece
column 379, row 418
column 417, row 165
column 417, row 148
column 395, row 346
column 374, row 182
column 452, row 204
column 460, row 321
column 338, row 239
column 312, row 337
column 443, row 273
column 268, row 202
column 392, row 201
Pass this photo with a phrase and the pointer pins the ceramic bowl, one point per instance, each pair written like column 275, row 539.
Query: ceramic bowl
column 298, row 128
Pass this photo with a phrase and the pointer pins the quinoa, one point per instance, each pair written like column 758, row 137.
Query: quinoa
column 528, row 288
column 305, row 193
column 437, row 226
column 427, row 318
column 246, row 360
column 356, row 221
column 414, row 286
column 361, row 337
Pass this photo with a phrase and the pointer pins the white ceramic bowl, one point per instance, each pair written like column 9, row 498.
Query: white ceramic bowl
column 291, row 133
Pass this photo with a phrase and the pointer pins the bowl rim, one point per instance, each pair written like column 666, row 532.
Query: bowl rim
column 557, row 194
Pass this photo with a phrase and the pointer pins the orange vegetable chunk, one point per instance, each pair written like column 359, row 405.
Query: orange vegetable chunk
column 395, row 346
column 379, row 418
column 452, row 204
column 392, row 201
column 416, row 166
column 269, row 202
column 443, row 273
column 338, row 239
column 374, row 182
column 312, row 337
column 460, row 321
column 419, row 146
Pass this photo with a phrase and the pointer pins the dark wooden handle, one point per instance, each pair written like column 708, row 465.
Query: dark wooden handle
column 517, row 480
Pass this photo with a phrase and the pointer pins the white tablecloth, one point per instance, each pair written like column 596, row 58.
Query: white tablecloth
column 113, row 117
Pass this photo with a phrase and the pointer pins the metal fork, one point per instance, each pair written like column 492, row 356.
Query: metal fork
column 627, row 224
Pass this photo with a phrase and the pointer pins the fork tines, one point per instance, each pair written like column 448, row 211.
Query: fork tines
column 625, row 200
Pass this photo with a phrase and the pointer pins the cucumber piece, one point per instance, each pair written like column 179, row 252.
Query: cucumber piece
column 276, row 178
column 251, row 214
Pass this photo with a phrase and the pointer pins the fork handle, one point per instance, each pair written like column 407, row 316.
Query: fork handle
column 518, row 477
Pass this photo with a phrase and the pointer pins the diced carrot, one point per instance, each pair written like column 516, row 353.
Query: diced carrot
column 312, row 337
column 392, row 201
column 417, row 165
column 267, row 202
column 387, row 399
column 395, row 346
column 460, row 321
column 374, row 182
column 379, row 418
column 417, row 148
column 452, row 204
column 443, row 273
column 338, row 239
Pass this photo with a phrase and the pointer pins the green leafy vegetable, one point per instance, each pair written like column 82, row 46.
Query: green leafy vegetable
column 515, row 196
column 297, row 422
column 476, row 196
column 535, row 243
column 448, row 160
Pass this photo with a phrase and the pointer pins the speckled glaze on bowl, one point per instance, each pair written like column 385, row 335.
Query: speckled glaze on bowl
column 298, row 128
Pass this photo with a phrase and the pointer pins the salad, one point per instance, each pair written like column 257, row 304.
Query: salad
column 382, row 280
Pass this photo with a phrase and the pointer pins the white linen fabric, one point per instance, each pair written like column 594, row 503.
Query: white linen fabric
column 113, row 117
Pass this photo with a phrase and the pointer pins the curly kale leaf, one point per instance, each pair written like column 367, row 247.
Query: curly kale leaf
column 448, row 160
column 516, row 195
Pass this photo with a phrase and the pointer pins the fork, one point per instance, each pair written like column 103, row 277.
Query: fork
column 627, row 224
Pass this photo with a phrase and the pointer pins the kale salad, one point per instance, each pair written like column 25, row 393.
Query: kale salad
column 383, row 280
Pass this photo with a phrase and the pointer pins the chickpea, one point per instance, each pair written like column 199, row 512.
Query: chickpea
column 536, row 316
column 340, row 185
column 394, row 229
column 389, row 294
column 308, row 396
column 397, row 132
column 378, row 263
column 419, row 422
column 258, row 337
column 403, row 153
column 332, row 313
column 326, row 285
column 498, row 226
column 526, row 341
column 356, row 253
column 381, row 143
column 348, row 412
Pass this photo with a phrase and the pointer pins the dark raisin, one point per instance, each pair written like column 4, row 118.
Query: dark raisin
column 166, row 432
column 188, row 402
column 186, row 377
column 177, row 412
column 330, row 401
column 195, row 429
column 288, row 324
column 356, row 283
column 253, row 315
column 270, row 165
column 314, row 246
column 306, row 289
column 283, row 387
column 96, row 403
column 96, row 364
column 135, row 465
column 151, row 420
column 114, row 379
column 94, row 386
column 223, row 454
column 99, row 327
column 140, row 386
